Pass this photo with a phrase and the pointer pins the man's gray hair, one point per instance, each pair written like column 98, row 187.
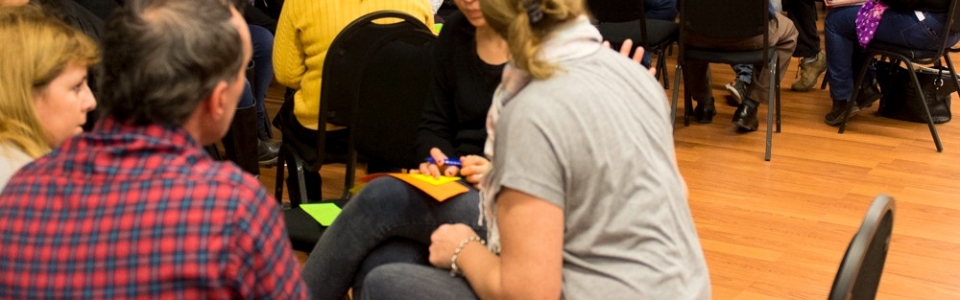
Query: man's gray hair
column 163, row 57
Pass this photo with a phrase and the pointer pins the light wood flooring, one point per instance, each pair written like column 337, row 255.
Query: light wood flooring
column 778, row 229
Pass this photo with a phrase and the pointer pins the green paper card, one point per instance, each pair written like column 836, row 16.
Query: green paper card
column 324, row 213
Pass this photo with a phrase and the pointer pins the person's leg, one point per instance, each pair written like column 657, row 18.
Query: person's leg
column 783, row 37
column 840, row 36
column 415, row 282
column 262, row 41
column 803, row 13
column 387, row 207
column 301, row 141
column 696, row 82
column 844, row 58
column 738, row 88
column 393, row 250
column 246, row 99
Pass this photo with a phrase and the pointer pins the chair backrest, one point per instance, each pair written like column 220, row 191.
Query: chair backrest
column 621, row 11
column 375, row 81
column 616, row 10
column 862, row 265
column 730, row 19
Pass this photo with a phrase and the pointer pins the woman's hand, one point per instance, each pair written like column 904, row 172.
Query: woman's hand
column 445, row 240
column 474, row 168
column 437, row 169
column 637, row 55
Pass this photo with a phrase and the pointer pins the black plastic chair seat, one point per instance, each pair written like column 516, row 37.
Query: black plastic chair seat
column 915, row 55
column 727, row 56
column 659, row 32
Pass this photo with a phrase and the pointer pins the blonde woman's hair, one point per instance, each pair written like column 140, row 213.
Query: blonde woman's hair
column 525, row 36
column 36, row 48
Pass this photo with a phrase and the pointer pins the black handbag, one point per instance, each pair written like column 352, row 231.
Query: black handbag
column 901, row 100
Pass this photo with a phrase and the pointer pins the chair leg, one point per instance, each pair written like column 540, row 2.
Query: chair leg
column 281, row 166
column 856, row 90
column 302, row 196
column 772, row 93
column 662, row 68
column 351, row 172
column 823, row 84
column 926, row 107
column 952, row 71
column 777, row 72
column 676, row 93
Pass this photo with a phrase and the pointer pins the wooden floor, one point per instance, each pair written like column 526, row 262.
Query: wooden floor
column 778, row 229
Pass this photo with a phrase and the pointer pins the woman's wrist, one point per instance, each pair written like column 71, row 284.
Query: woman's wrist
column 454, row 269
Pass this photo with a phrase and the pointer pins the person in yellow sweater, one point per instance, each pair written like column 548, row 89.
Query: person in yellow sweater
column 305, row 30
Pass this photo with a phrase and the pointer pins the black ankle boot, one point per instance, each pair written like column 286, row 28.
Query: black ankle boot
column 267, row 152
column 868, row 95
column 705, row 111
column 835, row 116
column 746, row 115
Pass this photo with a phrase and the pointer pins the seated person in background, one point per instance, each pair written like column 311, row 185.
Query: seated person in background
column 803, row 13
column 584, row 200
column 468, row 61
column 136, row 208
column 304, row 33
column 660, row 9
column 908, row 23
column 696, row 74
column 45, row 95
column 262, row 40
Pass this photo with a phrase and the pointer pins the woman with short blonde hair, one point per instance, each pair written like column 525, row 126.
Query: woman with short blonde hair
column 44, row 95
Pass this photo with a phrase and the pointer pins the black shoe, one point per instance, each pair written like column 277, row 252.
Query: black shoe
column 868, row 95
column 705, row 111
column 267, row 152
column 835, row 116
column 746, row 116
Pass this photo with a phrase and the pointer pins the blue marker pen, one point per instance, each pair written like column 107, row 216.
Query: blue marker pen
column 446, row 162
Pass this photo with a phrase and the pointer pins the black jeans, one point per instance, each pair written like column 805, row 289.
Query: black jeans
column 803, row 13
column 303, row 141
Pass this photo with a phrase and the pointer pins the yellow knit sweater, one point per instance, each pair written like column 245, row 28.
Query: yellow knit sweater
column 304, row 33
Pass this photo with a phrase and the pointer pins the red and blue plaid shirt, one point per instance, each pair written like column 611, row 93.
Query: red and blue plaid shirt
column 131, row 212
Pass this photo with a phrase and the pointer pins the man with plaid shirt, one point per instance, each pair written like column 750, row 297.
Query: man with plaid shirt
column 136, row 209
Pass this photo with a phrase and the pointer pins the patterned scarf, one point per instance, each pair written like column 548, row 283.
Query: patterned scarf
column 571, row 41
column 868, row 19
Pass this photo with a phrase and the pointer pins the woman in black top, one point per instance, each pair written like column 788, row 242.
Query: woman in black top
column 915, row 24
column 390, row 221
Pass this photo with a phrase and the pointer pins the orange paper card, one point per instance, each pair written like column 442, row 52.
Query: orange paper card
column 440, row 189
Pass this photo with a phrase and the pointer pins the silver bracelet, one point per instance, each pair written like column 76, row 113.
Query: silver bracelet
column 454, row 270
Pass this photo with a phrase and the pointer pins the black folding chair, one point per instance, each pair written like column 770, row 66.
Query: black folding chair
column 712, row 18
column 862, row 264
column 375, row 81
column 625, row 19
column 910, row 57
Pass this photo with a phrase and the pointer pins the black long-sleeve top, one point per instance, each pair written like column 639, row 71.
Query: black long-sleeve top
column 454, row 118
column 938, row 6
